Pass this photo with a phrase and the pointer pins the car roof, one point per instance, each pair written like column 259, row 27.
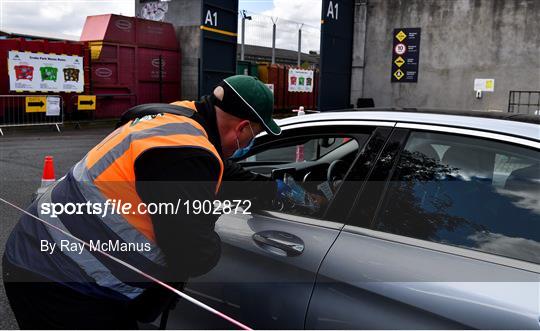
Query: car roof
column 525, row 118
column 498, row 122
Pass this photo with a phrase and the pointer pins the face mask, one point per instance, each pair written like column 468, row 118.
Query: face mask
column 241, row 152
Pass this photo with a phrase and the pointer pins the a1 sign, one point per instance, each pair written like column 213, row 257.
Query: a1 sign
column 333, row 10
column 220, row 20
column 211, row 18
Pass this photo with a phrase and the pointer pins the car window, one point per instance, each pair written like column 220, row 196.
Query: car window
column 317, row 165
column 467, row 192
column 309, row 150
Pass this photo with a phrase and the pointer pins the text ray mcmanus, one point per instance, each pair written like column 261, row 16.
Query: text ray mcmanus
column 93, row 246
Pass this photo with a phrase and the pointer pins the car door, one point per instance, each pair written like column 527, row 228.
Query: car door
column 269, row 259
column 454, row 242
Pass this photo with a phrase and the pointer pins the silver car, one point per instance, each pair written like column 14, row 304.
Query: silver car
column 431, row 221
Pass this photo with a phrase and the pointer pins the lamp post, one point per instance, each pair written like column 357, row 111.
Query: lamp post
column 299, row 45
column 244, row 18
column 274, row 40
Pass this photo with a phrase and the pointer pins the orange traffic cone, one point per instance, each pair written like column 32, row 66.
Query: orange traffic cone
column 48, row 172
column 47, row 178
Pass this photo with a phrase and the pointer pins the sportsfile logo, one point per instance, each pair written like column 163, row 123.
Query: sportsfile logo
column 81, row 208
column 119, row 207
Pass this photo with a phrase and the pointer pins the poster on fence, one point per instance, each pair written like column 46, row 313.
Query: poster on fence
column 300, row 80
column 45, row 72
column 53, row 106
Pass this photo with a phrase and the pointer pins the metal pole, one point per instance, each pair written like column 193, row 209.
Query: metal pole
column 160, row 78
column 274, row 41
column 90, row 85
column 243, row 37
column 299, row 45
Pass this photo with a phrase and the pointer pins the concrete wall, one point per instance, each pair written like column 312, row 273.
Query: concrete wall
column 461, row 40
column 185, row 15
column 190, row 41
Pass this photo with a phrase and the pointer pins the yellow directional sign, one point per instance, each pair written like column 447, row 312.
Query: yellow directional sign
column 400, row 36
column 399, row 61
column 86, row 102
column 399, row 74
column 36, row 104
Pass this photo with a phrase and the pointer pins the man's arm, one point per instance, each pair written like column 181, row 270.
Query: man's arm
column 164, row 175
column 239, row 183
column 234, row 171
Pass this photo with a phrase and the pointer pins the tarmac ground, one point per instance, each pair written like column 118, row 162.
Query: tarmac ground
column 21, row 164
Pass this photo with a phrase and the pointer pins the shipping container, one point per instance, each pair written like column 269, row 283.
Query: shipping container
column 129, row 30
column 122, row 60
column 127, row 54
column 247, row 68
column 284, row 100
column 262, row 69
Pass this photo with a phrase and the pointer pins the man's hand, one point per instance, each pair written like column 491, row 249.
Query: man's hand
column 289, row 190
column 152, row 302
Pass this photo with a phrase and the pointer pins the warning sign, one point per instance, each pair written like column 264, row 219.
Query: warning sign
column 36, row 104
column 399, row 61
column 405, row 55
column 86, row 102
column 400, row 36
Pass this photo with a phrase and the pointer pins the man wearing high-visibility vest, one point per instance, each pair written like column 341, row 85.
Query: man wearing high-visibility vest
column 155, row 157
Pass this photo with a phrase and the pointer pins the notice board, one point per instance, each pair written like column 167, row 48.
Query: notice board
column 405, row 55
column 45, row 72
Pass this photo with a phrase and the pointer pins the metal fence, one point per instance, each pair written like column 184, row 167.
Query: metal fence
column 524, row 102
column 31, row 110
column 279, row 39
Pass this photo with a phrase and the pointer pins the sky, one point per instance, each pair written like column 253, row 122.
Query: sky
column 66, row 17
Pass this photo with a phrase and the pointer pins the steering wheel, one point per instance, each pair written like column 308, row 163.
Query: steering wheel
column 336, row 170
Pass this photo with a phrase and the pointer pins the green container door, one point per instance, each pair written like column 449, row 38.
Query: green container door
column 247, row 68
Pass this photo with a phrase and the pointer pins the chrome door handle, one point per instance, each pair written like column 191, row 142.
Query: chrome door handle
column 287, row 243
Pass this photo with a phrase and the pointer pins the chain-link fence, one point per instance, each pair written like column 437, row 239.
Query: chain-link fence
column 277, row 40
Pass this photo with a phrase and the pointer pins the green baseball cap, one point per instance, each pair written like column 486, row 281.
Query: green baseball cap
column 248, row 98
